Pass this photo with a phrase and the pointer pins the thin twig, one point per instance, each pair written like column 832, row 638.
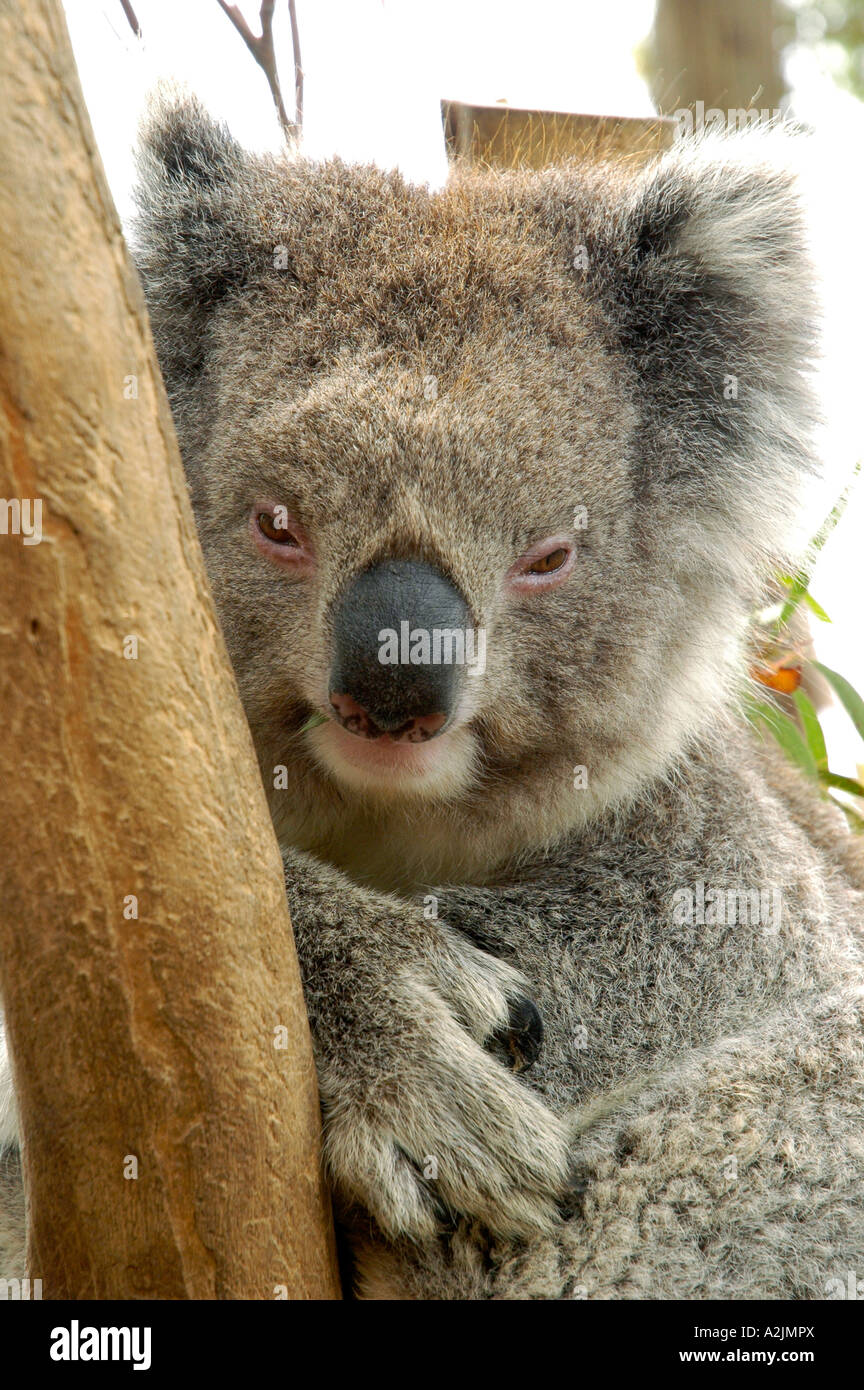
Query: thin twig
column 298, row 69
column 132, row 18
column 262, row 50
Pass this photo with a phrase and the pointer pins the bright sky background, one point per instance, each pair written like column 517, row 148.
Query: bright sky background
column 375, row 73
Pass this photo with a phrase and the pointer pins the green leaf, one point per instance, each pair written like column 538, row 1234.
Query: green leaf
column 812, row 729
column 846, row 694
column 799, row 583
column 797, row 588
column 815, row 608
column 841, row 784
column 855, row 819
column 313, row 721
column 785, row 730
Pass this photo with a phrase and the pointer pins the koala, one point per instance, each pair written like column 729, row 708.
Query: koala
column 488, row 481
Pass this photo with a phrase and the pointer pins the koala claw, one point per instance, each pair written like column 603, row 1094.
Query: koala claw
column 520, row 1043
column 442, row 1126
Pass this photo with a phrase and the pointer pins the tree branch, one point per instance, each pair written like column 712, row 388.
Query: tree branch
column 298, row 69
column 262, row 50
column 132, row 18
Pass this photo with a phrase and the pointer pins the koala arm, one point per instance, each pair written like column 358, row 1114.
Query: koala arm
column 730, row 1176
column 419, row 1120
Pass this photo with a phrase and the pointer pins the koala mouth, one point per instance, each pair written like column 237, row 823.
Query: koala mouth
column 405, row 749
column 401, row 762
column 354, row 718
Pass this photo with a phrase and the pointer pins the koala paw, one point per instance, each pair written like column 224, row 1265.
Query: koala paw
column 442, row 1129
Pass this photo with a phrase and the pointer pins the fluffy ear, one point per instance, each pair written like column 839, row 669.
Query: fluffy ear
column 190, row 238
column 701, row 268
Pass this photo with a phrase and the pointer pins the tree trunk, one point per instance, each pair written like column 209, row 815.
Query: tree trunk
column 161, row 1048
column 719, row 52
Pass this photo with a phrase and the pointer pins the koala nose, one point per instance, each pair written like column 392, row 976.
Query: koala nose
column 392, row 636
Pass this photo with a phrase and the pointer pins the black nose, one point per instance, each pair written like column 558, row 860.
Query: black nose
column 398, row 630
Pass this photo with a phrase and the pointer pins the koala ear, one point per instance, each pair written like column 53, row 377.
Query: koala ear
column 190, row 238
column 702, row 270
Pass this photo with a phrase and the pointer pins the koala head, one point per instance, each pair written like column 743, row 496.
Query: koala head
column 555, row 423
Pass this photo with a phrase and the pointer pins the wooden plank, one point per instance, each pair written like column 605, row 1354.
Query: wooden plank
column 509, row 137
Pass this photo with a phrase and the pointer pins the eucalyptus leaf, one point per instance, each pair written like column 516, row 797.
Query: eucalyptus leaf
column 846, row 694
column 812, row 729
column 815, row 608
column 313, row 721
column 841, row 784
column 764, row 716
column 799, row 583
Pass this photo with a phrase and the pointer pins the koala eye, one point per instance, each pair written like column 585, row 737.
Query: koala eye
column 279, row 536
column 275, row 531
column 546, row 565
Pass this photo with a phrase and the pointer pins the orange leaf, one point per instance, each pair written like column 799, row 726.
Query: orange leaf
column 784, row 679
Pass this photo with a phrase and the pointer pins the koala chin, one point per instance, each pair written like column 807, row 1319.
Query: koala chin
column 386, row 770
column 582, row 957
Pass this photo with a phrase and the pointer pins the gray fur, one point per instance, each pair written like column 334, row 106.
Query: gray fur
column 692, row 1128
